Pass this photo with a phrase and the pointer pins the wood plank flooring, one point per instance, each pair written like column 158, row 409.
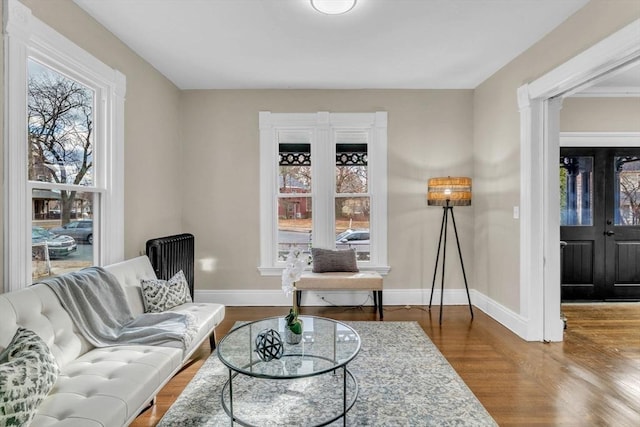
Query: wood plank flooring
column 590, row 379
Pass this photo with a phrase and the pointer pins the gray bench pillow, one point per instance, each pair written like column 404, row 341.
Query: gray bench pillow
column 328, row 260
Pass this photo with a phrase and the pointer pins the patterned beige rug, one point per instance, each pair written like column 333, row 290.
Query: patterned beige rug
column 403, row 381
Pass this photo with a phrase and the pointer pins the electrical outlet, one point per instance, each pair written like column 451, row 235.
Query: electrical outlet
column 516, row 212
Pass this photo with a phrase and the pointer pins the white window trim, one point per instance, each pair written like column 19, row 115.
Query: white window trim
column 26, row 36
column 322, row 124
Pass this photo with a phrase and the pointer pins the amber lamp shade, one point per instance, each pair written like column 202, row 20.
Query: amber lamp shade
column 449, row 191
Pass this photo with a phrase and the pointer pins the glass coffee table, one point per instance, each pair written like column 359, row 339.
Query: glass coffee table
column 311, row 375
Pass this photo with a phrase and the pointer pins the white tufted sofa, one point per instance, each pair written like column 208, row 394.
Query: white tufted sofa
column 100, row 386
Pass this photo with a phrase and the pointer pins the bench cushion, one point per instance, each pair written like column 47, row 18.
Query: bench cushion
column 365, row 280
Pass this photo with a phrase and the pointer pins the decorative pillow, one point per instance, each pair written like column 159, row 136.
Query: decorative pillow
column 28, row 372
column 160, row 295
column 326, row 260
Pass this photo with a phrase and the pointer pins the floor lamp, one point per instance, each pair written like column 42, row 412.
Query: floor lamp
column 448, row 192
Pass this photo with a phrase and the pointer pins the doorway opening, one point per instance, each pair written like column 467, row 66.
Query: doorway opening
column 540, row 103
column 600, row 224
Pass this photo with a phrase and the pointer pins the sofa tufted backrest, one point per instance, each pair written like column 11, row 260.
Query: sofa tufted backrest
column 37, row 308
column 129, row 273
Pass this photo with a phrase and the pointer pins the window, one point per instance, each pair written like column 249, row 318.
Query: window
column 64, row 149
column 323, row 183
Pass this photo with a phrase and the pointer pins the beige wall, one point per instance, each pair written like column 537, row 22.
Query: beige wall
column 497, row 139
column 2, row 91
column 199, row 149
column 152, row 129
column 430, row 134
column 600, row 115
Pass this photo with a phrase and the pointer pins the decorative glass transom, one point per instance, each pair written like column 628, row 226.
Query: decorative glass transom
column 295, row 155
column 351, row 154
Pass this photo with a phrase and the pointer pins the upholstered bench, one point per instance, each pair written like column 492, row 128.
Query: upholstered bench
column 339, row 281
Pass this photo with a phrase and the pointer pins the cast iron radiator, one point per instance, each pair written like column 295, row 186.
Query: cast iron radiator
column 170, row 254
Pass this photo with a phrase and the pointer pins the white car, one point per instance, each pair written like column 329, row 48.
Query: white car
column 357, row 239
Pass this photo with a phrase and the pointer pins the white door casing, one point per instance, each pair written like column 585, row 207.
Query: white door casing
column 540, row 103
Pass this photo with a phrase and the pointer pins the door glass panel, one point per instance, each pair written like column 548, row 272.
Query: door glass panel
column 626, row 191
column 576, row 190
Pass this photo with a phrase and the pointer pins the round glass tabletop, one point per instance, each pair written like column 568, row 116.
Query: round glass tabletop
column 326, row 345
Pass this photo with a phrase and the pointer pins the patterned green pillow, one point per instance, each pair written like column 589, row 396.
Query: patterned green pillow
column 28, row 372
column 160, row 295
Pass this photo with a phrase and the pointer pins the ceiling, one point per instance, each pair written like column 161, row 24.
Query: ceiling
column 276, row 44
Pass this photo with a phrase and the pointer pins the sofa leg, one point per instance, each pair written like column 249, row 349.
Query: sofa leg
column 149, row 405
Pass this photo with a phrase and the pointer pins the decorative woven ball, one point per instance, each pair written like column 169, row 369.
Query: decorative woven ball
column 269, row 345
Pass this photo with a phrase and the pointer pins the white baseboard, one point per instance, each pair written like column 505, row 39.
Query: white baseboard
column 493, row 309
column 501, row 314
column 324, row 298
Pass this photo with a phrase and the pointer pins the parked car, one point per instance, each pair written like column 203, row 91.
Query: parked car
column 80, row 230
column 58, row 245
column 353, row 238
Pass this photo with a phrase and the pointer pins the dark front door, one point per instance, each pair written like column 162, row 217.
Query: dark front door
column 600, row 223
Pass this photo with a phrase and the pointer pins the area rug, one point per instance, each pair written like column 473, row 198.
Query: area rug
column 403, row 380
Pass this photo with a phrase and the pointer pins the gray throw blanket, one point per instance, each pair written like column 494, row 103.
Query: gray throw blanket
column 97, row 304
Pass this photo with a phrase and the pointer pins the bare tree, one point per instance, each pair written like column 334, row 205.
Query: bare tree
column 630, row 188
column 351, row 179
column 295, row 177
column 60, row 133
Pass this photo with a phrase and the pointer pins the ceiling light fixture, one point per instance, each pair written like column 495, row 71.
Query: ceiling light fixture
column 333, row 7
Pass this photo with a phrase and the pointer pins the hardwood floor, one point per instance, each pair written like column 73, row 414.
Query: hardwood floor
column 590, row 379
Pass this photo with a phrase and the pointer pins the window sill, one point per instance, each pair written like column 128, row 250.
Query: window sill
column 277, row 271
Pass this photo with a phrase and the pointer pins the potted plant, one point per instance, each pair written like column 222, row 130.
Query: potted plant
column 295, row 264
column 294, row 325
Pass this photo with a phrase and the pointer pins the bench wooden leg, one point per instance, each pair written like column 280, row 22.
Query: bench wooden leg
column 212, row 340
column 377, row 301
column 298, row 297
